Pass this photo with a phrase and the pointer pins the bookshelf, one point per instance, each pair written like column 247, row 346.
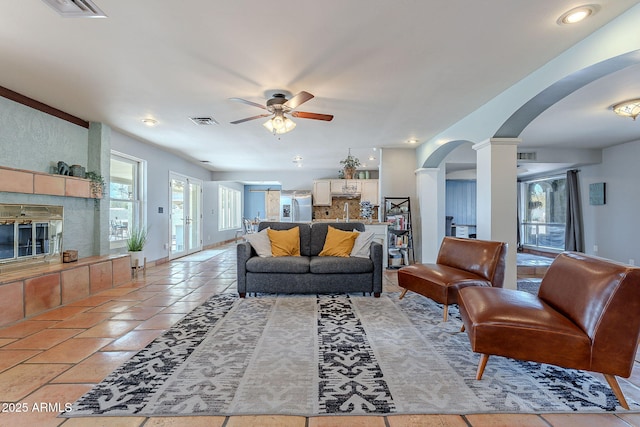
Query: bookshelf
column 397, row 213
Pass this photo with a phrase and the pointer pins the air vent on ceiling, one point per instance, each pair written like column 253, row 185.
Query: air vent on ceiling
column 76, row 8
column 527, row 156
column 203, row 121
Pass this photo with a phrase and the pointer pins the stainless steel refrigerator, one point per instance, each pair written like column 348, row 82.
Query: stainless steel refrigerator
column 295, row 206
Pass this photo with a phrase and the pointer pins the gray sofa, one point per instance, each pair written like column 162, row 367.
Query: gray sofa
column 309, row 273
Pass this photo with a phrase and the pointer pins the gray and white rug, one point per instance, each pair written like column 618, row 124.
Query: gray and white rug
column 330, row 354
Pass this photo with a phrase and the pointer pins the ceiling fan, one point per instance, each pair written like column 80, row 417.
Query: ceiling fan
column 277, row 107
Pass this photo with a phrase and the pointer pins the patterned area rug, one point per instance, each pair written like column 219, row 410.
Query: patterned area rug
column 330, row 354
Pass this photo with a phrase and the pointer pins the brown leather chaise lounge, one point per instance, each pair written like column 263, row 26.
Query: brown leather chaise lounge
column 586, row 316
column 460, row 263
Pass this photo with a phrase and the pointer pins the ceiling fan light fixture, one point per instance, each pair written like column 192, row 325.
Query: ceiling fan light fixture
column 279, row 124
column 630, row 108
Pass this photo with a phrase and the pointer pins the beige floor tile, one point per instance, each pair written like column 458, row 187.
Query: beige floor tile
column 84, row 320
column 45, row 339
column 137, row 313
column 119, row 291
column 5, row 341
column 161, row 321
column 25, row 328
column 426, row 421
column 95, row 368
column 506, row 420
column 181, row 307
column 92, row 301
column 185, row 422
column 134, row 340
column 346, row 421
column 71, row 351
column 105, row 422
column 266, row 421
column 61, row 313
column 9, row 358
column 160, row 301
column 110, row 328
column 584, row 420
column 632, row 419
column 112, row 306
column 21, row 380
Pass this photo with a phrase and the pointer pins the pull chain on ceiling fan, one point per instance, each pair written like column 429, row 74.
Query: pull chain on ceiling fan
column 278, row 106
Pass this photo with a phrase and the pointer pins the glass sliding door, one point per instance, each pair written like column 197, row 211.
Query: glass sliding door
column 186, row 215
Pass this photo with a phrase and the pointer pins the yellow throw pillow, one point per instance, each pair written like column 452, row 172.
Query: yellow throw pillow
column 285, row 242
column 338, row 242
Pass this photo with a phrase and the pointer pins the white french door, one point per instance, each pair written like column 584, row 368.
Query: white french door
column 186, row 215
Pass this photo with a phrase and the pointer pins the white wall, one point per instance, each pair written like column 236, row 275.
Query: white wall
column 159, row 164
column 613, row 227
column 211, row 234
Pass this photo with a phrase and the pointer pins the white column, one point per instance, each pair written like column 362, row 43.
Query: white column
column 497, row 201
column 431, row 204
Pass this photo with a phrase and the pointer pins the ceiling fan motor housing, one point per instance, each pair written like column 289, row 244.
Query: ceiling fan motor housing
column 276, row 103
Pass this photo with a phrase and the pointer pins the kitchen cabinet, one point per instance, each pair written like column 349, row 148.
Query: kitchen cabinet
column 370, row 191
column 322, row 193
column 346, row 186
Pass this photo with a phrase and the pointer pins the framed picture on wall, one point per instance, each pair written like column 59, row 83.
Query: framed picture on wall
column 597, row 193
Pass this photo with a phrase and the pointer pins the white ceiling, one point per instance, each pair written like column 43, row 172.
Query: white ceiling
column 387, row 70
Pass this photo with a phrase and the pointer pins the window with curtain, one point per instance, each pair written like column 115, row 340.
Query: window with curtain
column 230, row 208
column 543, row 212
column 125, row 197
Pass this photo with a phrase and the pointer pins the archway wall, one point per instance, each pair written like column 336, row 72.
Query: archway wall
column 513, row 109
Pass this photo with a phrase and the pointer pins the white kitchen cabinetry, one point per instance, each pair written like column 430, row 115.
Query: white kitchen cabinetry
column 322, row 193
column 370, row 191
column 346, row 186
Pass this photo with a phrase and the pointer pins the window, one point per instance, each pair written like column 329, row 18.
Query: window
column 543, row 212
column 229, row 202
column 125, row 198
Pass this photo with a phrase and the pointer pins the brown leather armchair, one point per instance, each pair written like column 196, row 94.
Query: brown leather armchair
column 586, row 316
column 460, row 263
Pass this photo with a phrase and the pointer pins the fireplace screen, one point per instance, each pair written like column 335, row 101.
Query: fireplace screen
column 30, row 231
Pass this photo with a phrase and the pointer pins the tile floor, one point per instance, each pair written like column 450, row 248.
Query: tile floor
column 52, row 359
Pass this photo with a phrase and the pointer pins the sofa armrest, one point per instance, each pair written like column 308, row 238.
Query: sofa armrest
column 375, row 254
column 244, row 253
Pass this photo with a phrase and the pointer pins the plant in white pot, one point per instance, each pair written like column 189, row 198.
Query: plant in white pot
column 135, row 245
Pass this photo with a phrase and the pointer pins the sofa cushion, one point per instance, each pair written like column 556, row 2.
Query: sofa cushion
column 319, row 233
column 304, row 228
column 362, row 245
column 338, row 242
column 285, row 242
column 283, row 264
column 260, row 242
column 339, row 265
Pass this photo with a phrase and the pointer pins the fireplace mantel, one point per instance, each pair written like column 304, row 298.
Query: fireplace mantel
column 30, row 182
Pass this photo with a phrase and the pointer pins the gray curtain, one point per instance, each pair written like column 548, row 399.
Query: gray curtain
column 573, row 235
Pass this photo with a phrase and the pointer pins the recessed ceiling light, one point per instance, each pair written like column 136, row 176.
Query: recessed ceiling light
column 297, row 159
column 577, row 14
column 412, row 141
column 150, row 122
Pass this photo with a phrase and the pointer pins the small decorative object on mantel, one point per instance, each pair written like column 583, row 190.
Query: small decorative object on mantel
column 77, row 171
column 366, row 210
column 63, row 168
column 69, row 255
column 349, row 165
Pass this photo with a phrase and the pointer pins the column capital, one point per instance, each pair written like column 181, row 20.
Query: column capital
column 496, row 141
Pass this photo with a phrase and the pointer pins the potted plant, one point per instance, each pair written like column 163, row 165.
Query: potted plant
column 135, row 245
column 97, row 184
column 349, row 165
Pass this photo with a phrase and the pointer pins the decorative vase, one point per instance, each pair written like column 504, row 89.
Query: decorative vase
column 349, row 172
column 137, row 259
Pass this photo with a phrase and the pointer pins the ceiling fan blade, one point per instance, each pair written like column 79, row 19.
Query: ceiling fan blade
column 250, row 118
column 314, row 116
column 244, row 101
column 298, row 100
